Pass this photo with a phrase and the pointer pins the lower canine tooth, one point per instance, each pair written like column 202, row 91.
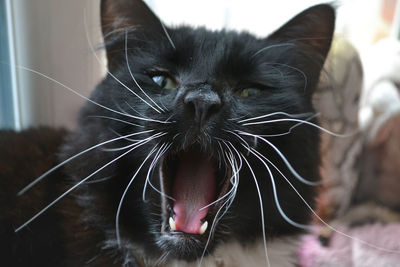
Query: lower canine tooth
column 203, row 228
column 172, row 224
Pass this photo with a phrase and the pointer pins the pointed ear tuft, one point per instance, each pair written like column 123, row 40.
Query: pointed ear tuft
column 313, row 28
column 119, row 15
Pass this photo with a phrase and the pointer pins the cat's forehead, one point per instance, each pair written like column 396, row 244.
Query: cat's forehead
column 201, row 43
column 200, row 52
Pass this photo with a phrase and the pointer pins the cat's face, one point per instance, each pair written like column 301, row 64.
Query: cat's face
column 198, row 160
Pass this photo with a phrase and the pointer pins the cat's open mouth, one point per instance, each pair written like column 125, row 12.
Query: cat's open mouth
column 194, row 186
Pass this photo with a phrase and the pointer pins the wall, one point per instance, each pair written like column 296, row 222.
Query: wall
column 50, row 38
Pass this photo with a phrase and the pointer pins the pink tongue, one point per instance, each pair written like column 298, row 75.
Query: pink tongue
column 194, row 187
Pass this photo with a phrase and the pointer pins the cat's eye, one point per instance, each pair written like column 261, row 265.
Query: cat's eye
column 164, row 82
column 245, row 93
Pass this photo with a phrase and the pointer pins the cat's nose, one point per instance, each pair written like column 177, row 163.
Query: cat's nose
column 202, row 103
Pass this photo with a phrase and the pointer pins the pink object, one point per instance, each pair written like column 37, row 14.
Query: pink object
column 194, row 188
column 346, row 252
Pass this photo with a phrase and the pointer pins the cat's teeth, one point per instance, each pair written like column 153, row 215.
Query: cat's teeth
column 203, row 228
column 172, row 224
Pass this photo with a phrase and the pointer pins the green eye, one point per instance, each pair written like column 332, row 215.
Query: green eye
column 245, row 93
column 164, row 82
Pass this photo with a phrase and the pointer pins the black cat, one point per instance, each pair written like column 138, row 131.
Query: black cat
column 181, row 154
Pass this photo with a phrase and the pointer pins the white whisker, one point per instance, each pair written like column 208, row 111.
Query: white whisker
column 236, row 119
column 74, row 187
column 162, row 259
column 234, row 175
column 120, row 148
column 292, row 170
column 303, row 122
column 115, row 119
column 37, row 180
column 116, row 103
column 84, row 97
column 222, row 151
column 157, row 157
column 290, row 129
column 225, row 143
column 278, row 205
column 271, row 46
column 217, row 218
column 140, row 114
column 133, row 78
column 154, row 136
column 167, row 34
column 123, row 196
column 321, row 220
column 294, row 68
column 278, row 113
column 261, row 210
column 118, row 134
column 238, row 136
column 107, row 70
column 100, row 180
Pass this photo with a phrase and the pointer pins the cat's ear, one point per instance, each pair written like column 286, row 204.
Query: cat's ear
column 313, row 28
column 120, row 16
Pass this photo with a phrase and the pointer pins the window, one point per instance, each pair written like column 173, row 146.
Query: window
column 9, row 115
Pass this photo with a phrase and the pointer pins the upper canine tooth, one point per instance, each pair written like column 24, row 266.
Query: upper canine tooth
column 172, row 224
column 203, row 228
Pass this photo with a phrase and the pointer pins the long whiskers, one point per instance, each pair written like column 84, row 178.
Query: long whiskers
column 133, row 78
column 108, row 71
column 290, row 129
column 130, row 106
column 86, row 98
column 222, row 152
column 283, row 214
column 232, row 179
column 226, row 204
column 115, row 119
column 163, row 149
column 319, row 218
column 76, row 185
column 37, row 180
column 123, row 196
column 135, row 143
column 302, row 122
column 118, row 134
column 300, row 115
column 261, row 210
column 239, row 137
column 264, row 161
column 168, row 36
column 292, row 170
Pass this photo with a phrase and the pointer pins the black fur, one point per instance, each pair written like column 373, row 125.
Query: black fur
column 222, row 62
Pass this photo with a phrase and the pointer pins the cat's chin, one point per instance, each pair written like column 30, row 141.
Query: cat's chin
column 197, row 188
column 182, row 246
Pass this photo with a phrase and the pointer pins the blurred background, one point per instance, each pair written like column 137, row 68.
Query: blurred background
column 49, row 36
column 45, row 53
